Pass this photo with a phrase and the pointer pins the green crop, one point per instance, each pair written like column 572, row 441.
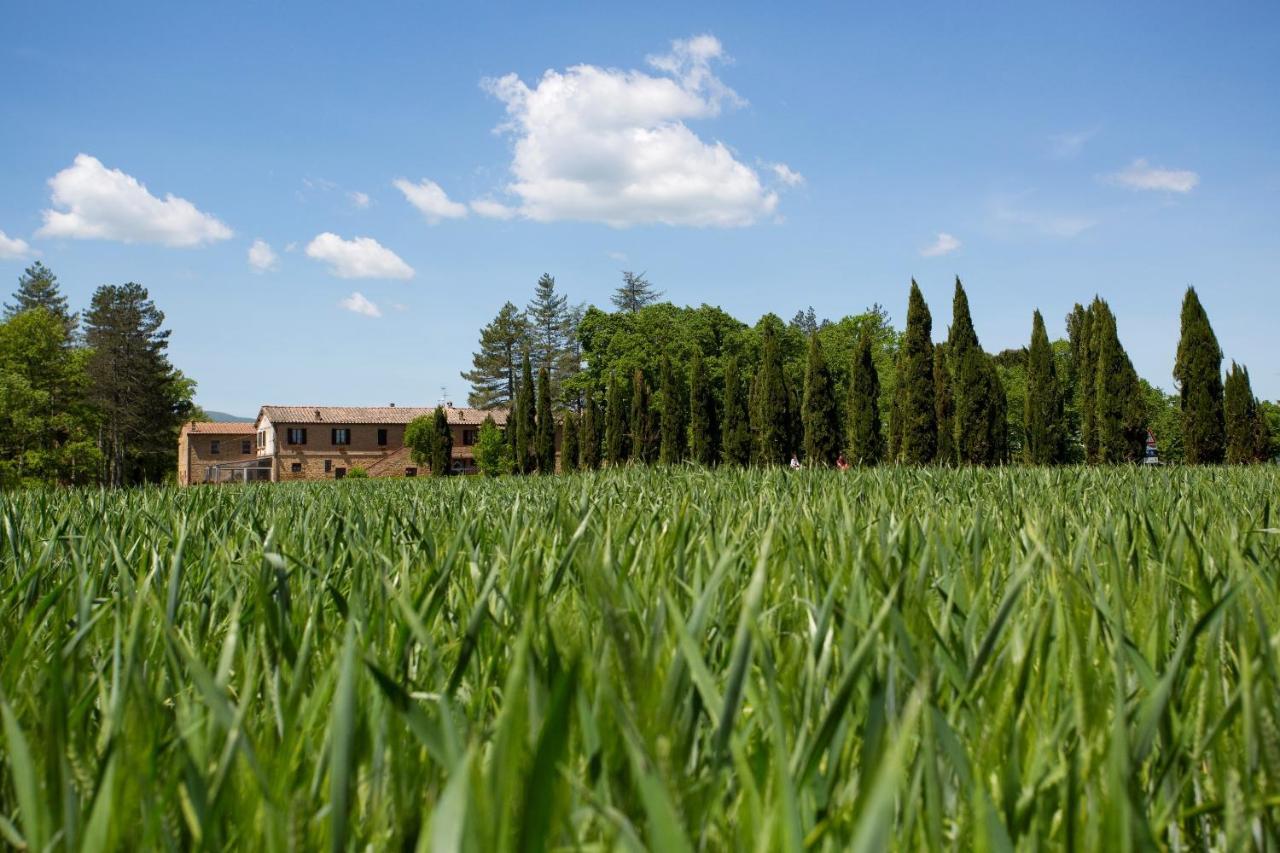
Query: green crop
column 671, row 659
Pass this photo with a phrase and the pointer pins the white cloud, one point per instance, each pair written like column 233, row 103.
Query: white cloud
column 1142, row 176
column 1064, row 146
column 358, row 304
column 1010, row 215
column 787, row 175
column 107, row 204
column 945, row 244
column 13, row 248
column 363, row 257
column 431, row 199
column 289, row 247
column 607, row 145
column 359, row 199
column 491, row 209
column 262, row 258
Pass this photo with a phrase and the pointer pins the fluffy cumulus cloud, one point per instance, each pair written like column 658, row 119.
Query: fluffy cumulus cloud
column 944, row 244
column 97, row 203
column 363, row 257
column 357, row 303
column 433, row 202
column 262, row 258
column 13, row 248
column 1141, row 175
column 609, row 145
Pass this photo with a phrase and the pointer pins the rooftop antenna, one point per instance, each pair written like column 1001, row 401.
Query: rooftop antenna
column 444, row 392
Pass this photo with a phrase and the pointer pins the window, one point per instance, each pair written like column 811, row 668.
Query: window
column 328, row 465
column 215, row 447
column 341, row 435
column 411, row 472
column 246, row 446
column 296, row 435
column 295, row 468
column 262, row 438
column 382, row 438
column 339, row 473
column 469, row 436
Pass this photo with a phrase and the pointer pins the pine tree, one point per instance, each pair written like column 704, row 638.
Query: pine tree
column 495, row 368
column 526, row 455
column 569, row 448
column 914, row 425
column 645, row 439
column 1044, row 426
column 142, row 399
column 998, row 416
column 1242, row 419
column 617, row 428
column 1121, row 411
column 545, row 448
column 672, row 416
column 442, row 447
column 736, row 447
column 702, row 414
column 1198, row 371
column 975, row 388
column 635, row 293
column 589, row 434
column 548, row 315
column 771, row 416
column 864, row 440
column 944, row 406
column 819, row 410
column 38, row 288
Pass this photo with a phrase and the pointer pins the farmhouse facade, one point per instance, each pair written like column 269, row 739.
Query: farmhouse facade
column 321, row 443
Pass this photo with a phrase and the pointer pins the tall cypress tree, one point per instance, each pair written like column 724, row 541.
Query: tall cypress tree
column 913, row 419
column 526, row 454
column 1084, row 369
column 617, row 423
column 944, row 406
column 1198, row 371
column 644, row 427
column 442, row 447
column 569, row 448
column 819, row 410
column 975, row 387
column 1043, row 416
column 864, row 442
column 545, row 448
column 589, row 434
column 736, row 428
column 1121, row 411
column 672, row 415
column 1244, row 438
column 702, row 414
column 770, row 412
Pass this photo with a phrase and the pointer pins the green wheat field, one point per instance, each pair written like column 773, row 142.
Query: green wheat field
column 664, row 659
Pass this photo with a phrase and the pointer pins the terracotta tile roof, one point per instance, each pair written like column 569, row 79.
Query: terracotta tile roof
column 219, row 428
column 374, row 415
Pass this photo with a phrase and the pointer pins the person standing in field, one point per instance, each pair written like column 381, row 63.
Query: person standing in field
column 842, row 464
column 795, row 462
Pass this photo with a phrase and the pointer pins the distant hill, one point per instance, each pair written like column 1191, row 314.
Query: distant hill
column 223, row 417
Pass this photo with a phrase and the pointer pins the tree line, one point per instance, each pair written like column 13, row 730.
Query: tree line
column 87, row 398
column 651, row 382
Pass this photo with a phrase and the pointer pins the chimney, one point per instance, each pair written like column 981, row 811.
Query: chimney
column 448, row 404
column 317, row 414
column 391, row 405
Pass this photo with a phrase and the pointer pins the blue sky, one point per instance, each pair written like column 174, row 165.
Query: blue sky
column 760, row 158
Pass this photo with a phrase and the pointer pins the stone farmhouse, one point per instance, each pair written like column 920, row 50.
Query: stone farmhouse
column 320, row 443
